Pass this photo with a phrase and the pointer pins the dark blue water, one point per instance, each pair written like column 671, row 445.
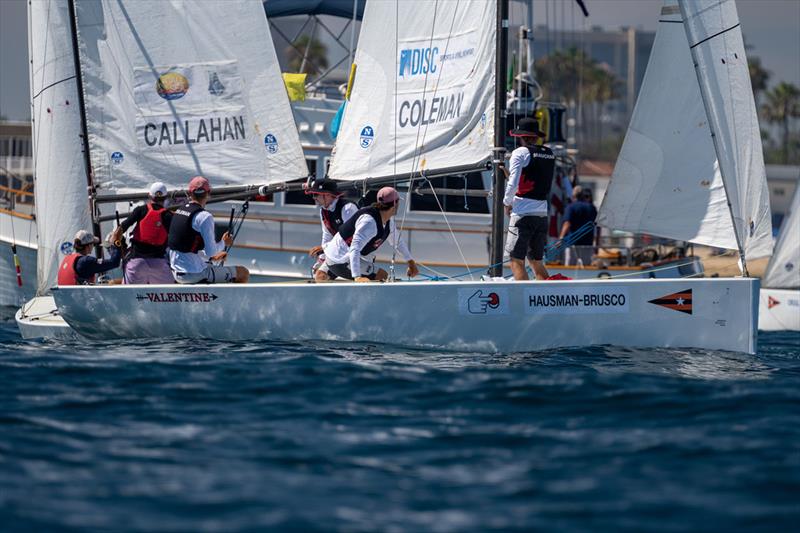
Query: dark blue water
column 187, row 435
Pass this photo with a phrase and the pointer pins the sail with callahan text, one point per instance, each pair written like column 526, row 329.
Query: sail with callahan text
column 423, row 92
column 179, row 88
column 62, row 207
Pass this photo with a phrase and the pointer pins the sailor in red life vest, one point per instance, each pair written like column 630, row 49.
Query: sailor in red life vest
column 147, row 263
column 80, row 268
column 192, row 244
column 351, row 252
column 531, row 170
column 334, row 211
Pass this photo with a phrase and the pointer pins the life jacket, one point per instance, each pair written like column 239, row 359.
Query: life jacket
column 536, row 177
column 150, row 230
column 182, row 236
column 348, row 229
column 67, row 275
column 333, row 219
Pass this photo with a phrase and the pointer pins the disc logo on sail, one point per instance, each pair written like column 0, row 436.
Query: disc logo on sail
column 416, row 61
column 172, row 86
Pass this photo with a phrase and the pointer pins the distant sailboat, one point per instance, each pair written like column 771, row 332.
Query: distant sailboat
column 462, row 127
column 779, row 303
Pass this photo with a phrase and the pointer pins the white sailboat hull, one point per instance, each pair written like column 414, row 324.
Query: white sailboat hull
column 779, row 310
column 471, row 316
column 39, row 319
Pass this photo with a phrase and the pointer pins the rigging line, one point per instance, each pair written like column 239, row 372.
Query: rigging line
column 449, row 227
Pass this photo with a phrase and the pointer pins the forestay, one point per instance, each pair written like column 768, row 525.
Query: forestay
column 423, row 92
column 783, row 270
column 666, row 181
column 715, row 38
column 179, row 88
column 62, row 207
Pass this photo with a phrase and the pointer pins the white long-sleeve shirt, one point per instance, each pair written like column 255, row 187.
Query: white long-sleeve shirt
column 338, row 252
column 348, row 210
column 520, row 158
column 189, row 263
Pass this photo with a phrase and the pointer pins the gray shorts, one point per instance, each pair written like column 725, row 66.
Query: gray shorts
column 527, row 236
column 211, row 274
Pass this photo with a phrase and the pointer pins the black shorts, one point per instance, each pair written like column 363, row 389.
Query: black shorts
column 343, row 271
column 526, row 237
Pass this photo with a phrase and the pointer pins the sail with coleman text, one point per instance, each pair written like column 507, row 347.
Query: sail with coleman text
column 177, row 89
column 423, row 94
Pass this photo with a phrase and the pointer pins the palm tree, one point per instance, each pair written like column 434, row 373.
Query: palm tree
column 316, row 55
column 782, row 105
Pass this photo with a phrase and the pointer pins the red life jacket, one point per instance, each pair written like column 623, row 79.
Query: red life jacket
column 150, row 230
column 67, row 275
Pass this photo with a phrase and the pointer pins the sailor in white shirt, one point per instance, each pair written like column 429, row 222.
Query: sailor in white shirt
column 334, row 211
column 351, row 252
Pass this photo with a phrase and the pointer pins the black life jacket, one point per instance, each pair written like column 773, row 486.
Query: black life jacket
column 333, row 219
column 536, row 177
column 348, row 229
column 182, row 236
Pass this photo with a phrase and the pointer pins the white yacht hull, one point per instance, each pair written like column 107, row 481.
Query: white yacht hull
column 779, row 310
column 472, row 316
column 39, row 319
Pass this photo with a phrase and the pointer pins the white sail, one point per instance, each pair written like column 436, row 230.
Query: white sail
column 179, row 88
column 423, row 96
column 783, row 271
column 715, row 39
column 62, row 206
column 666, row 181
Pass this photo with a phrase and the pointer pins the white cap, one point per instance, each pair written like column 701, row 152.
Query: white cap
column 84, row 238
column 157, row 190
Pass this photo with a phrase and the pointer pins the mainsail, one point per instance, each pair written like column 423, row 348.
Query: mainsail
column 423, row 92
column 667, row 180
column 62, row 206
column 783, row 271
column 179, row 88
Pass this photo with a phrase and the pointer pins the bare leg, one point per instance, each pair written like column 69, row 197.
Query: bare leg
column 242, row 274
column 381, row 275
column 518, row 269
column 320, row 276
column 539, row 269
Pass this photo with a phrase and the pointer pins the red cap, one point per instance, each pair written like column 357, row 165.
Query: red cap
column 198, row 183
column 388, row 195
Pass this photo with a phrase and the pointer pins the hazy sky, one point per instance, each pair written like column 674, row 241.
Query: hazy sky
column 771, row 28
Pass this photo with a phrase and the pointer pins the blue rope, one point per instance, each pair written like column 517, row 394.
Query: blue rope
column 551, row 251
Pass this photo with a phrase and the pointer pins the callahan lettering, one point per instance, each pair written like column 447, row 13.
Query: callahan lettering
column 205, row 130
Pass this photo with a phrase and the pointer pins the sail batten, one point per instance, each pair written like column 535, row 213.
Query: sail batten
column 422, row 98
column 180, row 88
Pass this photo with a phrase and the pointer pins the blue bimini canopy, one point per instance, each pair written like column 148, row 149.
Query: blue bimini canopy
column 337, row 8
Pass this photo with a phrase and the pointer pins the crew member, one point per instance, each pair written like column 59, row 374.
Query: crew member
column 191, row 242
column 147, row 262
column 350, row 253
column 531, row 171
column 579, row 213
column 80, row 268
column 334, row 210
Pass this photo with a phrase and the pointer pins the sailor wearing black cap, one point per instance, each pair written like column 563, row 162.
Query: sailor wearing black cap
column 334, row 211
column 531, row 171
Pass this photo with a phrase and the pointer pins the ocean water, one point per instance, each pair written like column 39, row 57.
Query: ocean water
column 187, row 435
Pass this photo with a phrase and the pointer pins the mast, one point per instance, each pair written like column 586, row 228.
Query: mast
column 498, row 161
column 84, row 130
column 705, row 97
